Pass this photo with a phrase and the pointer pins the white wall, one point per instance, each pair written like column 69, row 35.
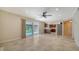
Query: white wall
column 10, row 27
column 0, row 28
column 41, row 28
column 75, row 22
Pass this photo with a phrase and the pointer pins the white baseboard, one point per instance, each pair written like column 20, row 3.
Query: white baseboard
column 4, row 41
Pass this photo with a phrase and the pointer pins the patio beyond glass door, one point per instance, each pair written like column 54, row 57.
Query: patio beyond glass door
column 29, row 30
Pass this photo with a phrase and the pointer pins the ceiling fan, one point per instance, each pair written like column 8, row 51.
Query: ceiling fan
column 45, row 15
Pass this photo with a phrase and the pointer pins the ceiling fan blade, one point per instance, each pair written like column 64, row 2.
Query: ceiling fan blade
column 48, row 15
column 44, row 12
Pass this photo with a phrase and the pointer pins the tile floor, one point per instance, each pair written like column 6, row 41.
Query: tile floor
column 44, row 42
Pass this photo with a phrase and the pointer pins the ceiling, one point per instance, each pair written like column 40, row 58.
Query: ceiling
column 58, row 13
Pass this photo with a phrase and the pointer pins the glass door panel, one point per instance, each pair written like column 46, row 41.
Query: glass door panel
column 29, row 30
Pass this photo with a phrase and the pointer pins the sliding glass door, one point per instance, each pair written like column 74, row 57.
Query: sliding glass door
column 35, row 29
column 29, row 30
column 32, row 28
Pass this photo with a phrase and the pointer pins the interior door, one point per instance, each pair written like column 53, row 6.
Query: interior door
column 59, row 29
column 68, row 28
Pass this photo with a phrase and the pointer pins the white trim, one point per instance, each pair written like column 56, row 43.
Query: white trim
column 72, row 31
column 62, row 29
column 56, row 29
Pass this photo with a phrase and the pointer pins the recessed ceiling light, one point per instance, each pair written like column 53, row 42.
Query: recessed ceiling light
column 57, row 9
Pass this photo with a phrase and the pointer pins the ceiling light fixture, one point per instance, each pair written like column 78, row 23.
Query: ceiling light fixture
column 70, row 21
column 57, row 9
